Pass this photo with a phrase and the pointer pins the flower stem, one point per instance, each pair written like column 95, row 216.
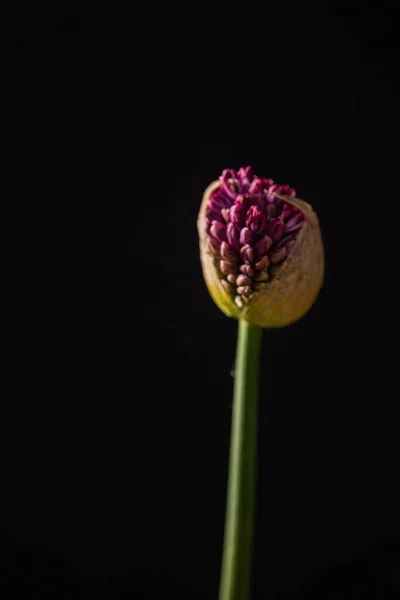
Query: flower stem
column 238, row 539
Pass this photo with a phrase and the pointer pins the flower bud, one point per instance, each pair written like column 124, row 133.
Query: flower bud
column 261, row 249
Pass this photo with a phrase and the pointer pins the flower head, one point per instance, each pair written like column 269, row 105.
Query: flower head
column 261, row 249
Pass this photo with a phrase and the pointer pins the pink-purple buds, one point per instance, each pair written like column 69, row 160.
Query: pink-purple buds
column 261, row 249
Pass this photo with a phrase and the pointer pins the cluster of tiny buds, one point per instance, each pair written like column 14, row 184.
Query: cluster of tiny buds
column 249, row 231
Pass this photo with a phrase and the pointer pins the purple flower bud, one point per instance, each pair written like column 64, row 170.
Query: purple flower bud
column 238, row 212
column 247, row 254
column 219, row 199
column 213, row 246
column 226, row 185
column 262, row 264
column 247, row 270
column 275, row 228
column 229, row 253
column 228, row 267
column 233, row 236
column 218, row 231
column 260, row 184
column 214, row 212
column 280, row 189
column 287, row 212
column 286, row 190
column 294, row 223
column 244, row 176
column 263, row 245
column 232, row 278
column 225, row 214
column 243, row 280
column 246, row 236
column 255, row 220
column 244, row 290
column 228, row 287
column 239, row 301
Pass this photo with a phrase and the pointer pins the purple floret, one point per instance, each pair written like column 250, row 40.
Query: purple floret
column 249, row 230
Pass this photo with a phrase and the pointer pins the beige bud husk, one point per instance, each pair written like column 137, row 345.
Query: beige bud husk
column 220, row 296
column 292, row 290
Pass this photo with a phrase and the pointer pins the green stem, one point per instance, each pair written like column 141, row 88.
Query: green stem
column 238, row 539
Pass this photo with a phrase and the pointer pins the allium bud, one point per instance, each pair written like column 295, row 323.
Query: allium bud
column 261, row 249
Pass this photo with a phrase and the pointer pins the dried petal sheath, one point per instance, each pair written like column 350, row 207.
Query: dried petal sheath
column 296, row 284
column 218, row 293
column 285, row 291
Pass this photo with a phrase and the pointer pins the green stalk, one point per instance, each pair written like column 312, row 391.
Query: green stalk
column 238, row 538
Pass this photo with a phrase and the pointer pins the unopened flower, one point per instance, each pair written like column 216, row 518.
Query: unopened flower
column 261, row 249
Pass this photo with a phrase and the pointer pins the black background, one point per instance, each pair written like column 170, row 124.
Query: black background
column 115, row 435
